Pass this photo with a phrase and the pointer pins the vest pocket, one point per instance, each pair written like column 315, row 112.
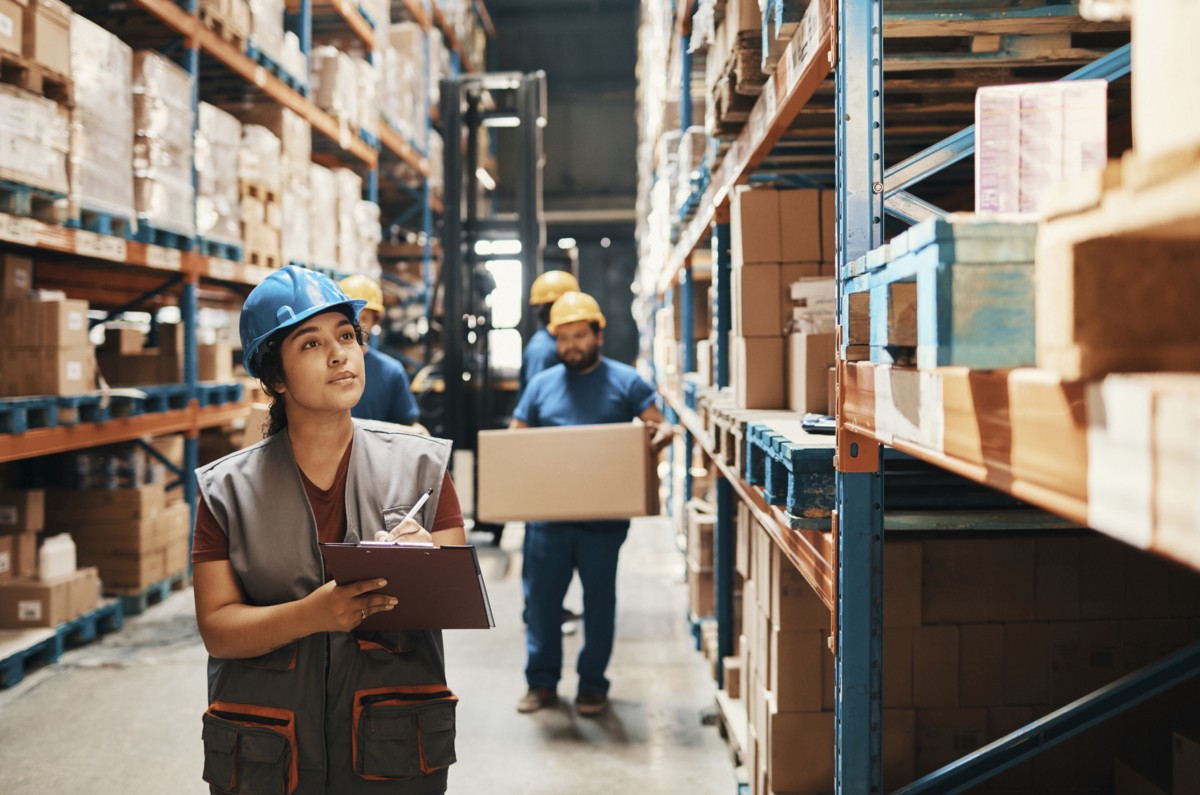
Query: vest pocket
column 250, row 749
column 281, row 659
column 403, row 732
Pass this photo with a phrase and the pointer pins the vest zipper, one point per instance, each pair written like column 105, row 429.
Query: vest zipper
column 367, row 701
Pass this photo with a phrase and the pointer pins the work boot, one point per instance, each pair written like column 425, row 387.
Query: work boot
column 590, row 704
column 570, row 621
column 536, row 698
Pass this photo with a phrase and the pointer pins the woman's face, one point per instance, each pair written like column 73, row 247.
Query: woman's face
column 323, row 364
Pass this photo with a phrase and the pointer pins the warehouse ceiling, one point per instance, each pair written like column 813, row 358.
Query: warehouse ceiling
column 588, row 50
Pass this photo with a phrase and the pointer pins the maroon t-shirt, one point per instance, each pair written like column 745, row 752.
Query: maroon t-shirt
column 329, row 509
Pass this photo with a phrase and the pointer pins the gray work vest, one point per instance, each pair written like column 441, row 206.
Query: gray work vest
column 332, row 712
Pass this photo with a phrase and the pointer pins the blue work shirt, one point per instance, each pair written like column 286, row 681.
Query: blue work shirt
column 540, row 354
column 386, row 396
column 613, row 392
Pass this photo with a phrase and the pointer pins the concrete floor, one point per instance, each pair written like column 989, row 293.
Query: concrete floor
column 123, row 715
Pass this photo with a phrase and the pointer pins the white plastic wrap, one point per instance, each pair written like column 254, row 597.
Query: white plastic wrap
column 266, row 27
column 368, row 96
column 403, row 82
column 259, row 159
column 163, row 144
column 294, row 134
column 294, row 62
column 349, row 194
column 370, row 233
column 218, row 141
column 34, row 138
column 101, row 154
column 296, row 227
column 323, row 216
column 335, row 83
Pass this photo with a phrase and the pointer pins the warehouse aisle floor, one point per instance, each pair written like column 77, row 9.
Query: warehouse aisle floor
column 122, row 715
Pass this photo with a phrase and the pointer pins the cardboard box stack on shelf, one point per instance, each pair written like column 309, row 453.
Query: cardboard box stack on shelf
column 126, row 360
column 218, row 205
column 335, row 86
column 323, row 216
column 266, row 28
column 405, row 90
column 46, row 39
column 733, row 77
column 44, row 348
column 34, row 141
column 981, row 636
column 259, row 181
column 32, row 596
column 295, row 152
column 231, row 19
column 101, row 161
column 163, row 147
column 780, row 239
column 701, row 522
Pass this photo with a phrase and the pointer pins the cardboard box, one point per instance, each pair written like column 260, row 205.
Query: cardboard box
column 25, row 557
column 701, row 525
column 1084, row 656
column 701, row 591
column 62, row 324
column 1011, row 571
column 800, row 752
column 755, row 234
column 946, row 735
column 22, row 511
column 953, row 592
column 1003, row 721
column 177, row 559
column 1185, row 762
column 7, row 558
column 897, row 667
column 1056, row 579
column 902, row 577
column 215, row 362
column 16, row 272
column 597, row 472
column 1026, row 664
column 65, row 372
column 809, row 358
column 47, row 37
column 758, row 368
column 792, row 603
column 800, row 225
column 128, row 572
column 743, row 530
column 123, row 340
column 84, row 591
column 795, row 670
column 1101, row 578
column 981, row 665
column 1129, row 781
column 29, row 604
column 756, row 301
column 789, row 274
column 12, row 25
column 935, row 667
column 899, row 748
column 1161, row 123
column 66, row 508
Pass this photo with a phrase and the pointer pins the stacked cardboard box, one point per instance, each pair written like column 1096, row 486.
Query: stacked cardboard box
column 163, row 146
column 101, row 168
column 1161, row 123
column 323, row 216
column 47, row 36
column 335, row 77
column 126, row 361
column 266, row 28
column 404, row 88
column 701, row 584
column 349, row 190
column 44, row 346
column 22, row 517
column 218, row 207
column 733, row 75
column 260, row 179
column 34, row 151
column 778, row 238
column 131, row 535
column 295, row 158
column 981, row 636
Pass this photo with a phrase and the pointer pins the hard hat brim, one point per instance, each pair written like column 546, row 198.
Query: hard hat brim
column 356, row 306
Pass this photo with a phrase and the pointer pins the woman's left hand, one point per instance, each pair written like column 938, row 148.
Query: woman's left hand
column 407, row 532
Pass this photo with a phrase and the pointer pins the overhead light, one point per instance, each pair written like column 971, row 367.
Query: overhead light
column 605, row 242
column 566, row 242
column 506, row 248
column 502, row 121
column 485, row 178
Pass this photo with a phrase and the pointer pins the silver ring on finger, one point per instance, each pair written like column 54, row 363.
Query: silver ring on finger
column 364, row 613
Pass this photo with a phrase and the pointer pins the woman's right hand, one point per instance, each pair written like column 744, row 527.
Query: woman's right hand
column 341, row 608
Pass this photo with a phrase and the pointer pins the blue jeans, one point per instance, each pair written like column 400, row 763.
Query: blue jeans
column 553, row 552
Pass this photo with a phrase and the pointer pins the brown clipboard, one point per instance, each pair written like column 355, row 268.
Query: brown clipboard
column 437, row 587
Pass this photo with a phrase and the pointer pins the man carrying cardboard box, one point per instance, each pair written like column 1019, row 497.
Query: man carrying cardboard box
column 586, row 389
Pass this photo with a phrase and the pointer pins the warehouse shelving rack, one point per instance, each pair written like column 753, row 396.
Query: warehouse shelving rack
column 845, row 567
column 121, row 274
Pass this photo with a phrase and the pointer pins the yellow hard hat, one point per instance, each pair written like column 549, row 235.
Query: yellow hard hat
column 573, row 307
column 364, row 288
column 548, row 287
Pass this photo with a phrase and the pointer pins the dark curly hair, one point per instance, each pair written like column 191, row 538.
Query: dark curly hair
column 269, row 365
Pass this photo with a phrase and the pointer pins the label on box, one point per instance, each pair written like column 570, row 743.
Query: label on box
column 21, row 279
column 29, row 610
column 5, row 562
column 6, row 26
column 74, row 371
column 162, row 257
column 23, row 231
column 90, row 244
column 75, row 321
column 8, row 515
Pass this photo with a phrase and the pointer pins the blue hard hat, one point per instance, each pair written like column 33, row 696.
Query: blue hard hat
column 284, row 299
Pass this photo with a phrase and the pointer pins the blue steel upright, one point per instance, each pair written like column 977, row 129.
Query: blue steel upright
column 722, row 309
column 189, row 309
column 859, row 118
column 427, row 190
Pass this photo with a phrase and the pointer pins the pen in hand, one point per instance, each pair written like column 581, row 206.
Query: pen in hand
column 413, row 511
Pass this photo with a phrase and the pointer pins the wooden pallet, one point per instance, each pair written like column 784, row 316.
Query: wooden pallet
column 102, row 223
column 24, row 650
column 947, row 292
column 27, row 201
column 794, row 467
column 256, row 190
column 137, row 601
column 220, row 23
column 262, row 258
column 18, row 415
column 31, row 76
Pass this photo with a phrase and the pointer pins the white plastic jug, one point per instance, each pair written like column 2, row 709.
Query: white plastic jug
column 56, row 558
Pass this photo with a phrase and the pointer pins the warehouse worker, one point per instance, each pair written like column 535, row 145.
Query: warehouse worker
column 541, row 352
column 387, row 396
column 299, row 701
column 586, row 389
